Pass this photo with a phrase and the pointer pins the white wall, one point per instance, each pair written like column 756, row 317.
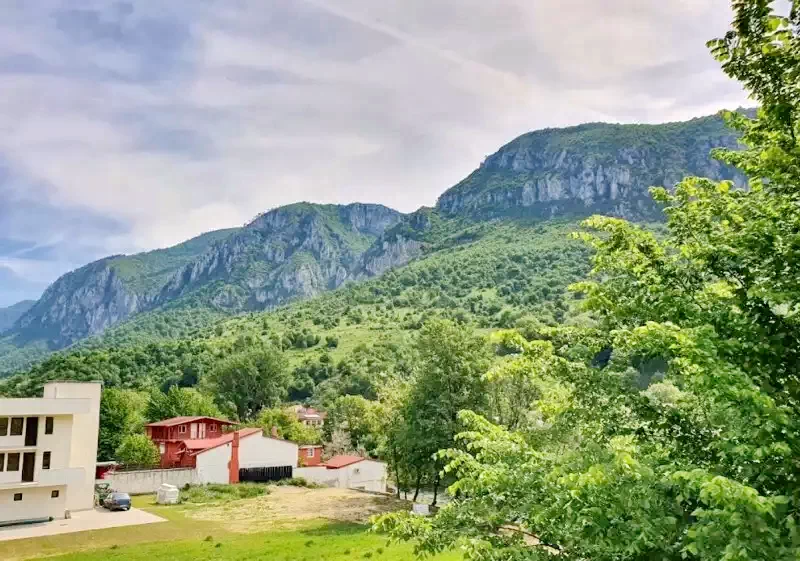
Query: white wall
column 85, row 430
column 319, row 475
column 254, row 451
column 212, row 465
column 141, row 482
column 259, row 451
column 367, row 475
column 36, row 503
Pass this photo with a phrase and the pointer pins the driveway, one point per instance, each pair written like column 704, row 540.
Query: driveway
column 97, row 519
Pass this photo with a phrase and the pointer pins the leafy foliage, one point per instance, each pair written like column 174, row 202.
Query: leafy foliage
column 138, row 450
column 670, row 430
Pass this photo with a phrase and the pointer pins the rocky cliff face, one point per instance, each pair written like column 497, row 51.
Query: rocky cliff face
column 294, row 251
column 594, row 168
column 291, row 252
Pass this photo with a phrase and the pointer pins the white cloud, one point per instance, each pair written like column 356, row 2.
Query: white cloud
column 171, row 119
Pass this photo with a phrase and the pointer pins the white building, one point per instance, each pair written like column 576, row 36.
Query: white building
column 48, row 449
column 348, row 472
column 213, row 458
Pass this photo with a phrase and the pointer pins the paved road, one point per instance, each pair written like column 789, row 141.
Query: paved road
column 96, row 519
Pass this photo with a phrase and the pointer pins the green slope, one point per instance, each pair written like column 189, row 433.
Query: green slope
column 494, row 275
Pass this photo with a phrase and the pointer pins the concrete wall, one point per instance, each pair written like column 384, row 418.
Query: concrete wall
column 149, row 480
column 83, row 445
column 36, row 502
column 367, row 475
column 319, row 475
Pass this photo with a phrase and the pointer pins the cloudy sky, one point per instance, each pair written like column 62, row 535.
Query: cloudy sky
column 133, row 125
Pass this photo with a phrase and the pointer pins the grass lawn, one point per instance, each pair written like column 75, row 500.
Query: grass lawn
column 197, row 533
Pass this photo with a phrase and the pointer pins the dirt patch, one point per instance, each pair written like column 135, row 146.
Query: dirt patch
column 287, row 505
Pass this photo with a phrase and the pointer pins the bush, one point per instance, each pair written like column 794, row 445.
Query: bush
column 298, row 482
column 216, row 493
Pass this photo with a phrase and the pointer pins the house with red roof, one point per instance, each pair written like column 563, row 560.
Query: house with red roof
column 170, row 434
column 216, row 452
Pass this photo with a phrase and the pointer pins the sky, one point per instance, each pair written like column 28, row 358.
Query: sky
column 132, row 125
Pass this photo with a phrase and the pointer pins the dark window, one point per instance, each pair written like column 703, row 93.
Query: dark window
column 16, row 426
column 46, row 460
column 48, row 425
column 2, row 461
column 3, row 426
column 13, row 462
column 17, row 496
column 182, row 429
column 54, row 494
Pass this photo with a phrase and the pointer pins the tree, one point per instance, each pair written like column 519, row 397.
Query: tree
column 121, row 414
column 137, row 450
column 248, row 381
column 448, row 378
column 359, row 418
column 671, row 430
column 178, row 402
column 285, row 421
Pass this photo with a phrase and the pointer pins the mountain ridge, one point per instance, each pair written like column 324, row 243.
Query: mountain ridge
column 304, row 249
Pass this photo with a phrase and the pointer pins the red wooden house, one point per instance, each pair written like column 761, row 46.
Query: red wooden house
column 171, row 435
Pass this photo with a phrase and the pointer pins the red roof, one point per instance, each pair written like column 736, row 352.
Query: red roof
column 202, row 444
column 182, row 420
column 342, row 461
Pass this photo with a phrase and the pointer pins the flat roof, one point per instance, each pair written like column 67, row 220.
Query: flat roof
column 37, row 406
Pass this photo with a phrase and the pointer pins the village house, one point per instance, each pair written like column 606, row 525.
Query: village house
column 171, row 434
column 48, row 448
column 309, row 416
column 199, row 443
column 309, row 455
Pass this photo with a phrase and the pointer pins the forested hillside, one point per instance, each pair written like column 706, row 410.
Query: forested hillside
column 491, row 275
column 302, row 250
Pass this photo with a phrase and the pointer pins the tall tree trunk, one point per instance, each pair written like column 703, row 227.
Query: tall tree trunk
column 435, row 489
column 417, row 485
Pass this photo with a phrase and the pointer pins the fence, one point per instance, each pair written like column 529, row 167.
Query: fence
column 148, row 481
column 264, row 474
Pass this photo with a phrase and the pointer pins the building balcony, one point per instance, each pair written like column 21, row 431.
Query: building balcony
column 46, row 478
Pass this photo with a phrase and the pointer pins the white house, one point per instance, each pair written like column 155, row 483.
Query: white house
column 48, row 448
column 213, row 459
column 348, row 472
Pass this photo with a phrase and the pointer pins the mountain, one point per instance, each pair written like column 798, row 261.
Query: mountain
column 302, row 250
column 596, row 168
column 12, row 313
column 290, row 252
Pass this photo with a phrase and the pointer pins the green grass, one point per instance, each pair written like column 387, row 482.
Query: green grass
column 187, row 539
column 205, row 494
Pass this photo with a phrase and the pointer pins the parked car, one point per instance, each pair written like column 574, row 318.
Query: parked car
column 117, row 501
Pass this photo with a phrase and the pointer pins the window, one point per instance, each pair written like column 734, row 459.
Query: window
column 13, row 462
column 309, row 452
column 2, row 461
column 54, row 494
column 17, row 496
column 48, row 425
column 212, row 428
column 182, row 429
column 46, row 460
column 162, row 448
column 16, row 426
column 3, row 426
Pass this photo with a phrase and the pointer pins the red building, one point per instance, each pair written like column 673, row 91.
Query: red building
column 171, row 435
column 309, row 455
